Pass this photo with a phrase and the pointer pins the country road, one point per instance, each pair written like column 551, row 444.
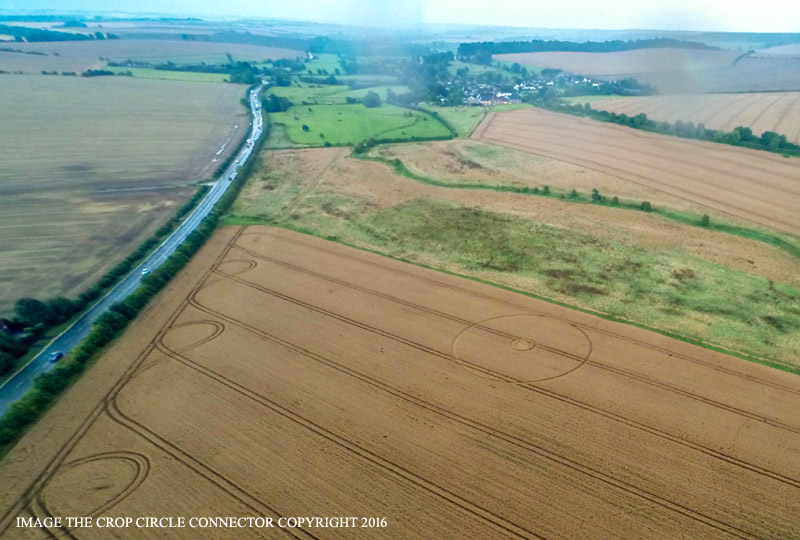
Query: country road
column 16, row 386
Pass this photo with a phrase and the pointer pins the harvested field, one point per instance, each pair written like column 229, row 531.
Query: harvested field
column 472, row 161
column 242, row 391
column 771, row 111
column 81, row 55
column 678, row 71
column 749, row 184
column 89, row 167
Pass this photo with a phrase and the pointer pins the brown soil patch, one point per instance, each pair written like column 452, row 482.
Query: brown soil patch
column 322, row 380
column 750, row 184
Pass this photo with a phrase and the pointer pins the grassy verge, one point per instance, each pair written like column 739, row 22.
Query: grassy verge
column 783, row 242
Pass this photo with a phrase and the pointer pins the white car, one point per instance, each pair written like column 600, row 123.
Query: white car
column 145, row 271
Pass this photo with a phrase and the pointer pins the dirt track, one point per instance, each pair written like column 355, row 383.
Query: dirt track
column 750, row 184
column 302, row 377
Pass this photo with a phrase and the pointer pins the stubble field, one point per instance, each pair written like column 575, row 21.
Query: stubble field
column 90, row 167
column 282, row 375
column 749, row 184
column 770, row 111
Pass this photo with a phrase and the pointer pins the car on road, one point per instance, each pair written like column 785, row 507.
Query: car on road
column 145, row 271
column 56, row 356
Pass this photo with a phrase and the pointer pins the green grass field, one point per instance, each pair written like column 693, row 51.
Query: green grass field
column 323, row 109
column 187, row 76
column 329, row 95
column 351, row 124
column 326, row 62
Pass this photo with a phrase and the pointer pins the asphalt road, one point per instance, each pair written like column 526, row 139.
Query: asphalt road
column 15, row 387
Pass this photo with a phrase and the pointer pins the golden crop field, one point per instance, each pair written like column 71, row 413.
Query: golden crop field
column 90, row 167
column 750, row 184
column 769, row 111
column 282, row 375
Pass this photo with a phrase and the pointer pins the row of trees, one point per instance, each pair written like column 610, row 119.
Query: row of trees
column 740, row 136
column 482, row 52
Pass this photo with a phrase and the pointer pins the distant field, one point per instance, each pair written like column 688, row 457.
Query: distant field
column 677, row 70
column 326, row 62
column 772, row 111
column 749, row 184
column 789, row 50
column 81, row 55
column 88, row 167
column 624, row 62
column 188, row 76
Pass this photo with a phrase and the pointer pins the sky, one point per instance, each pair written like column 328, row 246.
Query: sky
column 702, row 15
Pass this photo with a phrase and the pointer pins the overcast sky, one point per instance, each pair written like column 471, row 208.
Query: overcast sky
column 716, row 15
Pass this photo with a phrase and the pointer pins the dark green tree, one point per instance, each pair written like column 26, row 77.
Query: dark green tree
column 371, row 100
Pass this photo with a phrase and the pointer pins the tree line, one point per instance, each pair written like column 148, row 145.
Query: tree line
column 23, row 33
column 739, row 136
column 481, row 52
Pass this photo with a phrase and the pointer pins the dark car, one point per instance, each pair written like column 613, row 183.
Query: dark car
column 56, row 356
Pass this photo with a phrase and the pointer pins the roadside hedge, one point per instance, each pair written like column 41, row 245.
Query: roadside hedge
column 110, row 325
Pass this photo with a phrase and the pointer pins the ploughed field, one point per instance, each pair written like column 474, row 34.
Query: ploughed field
column 769, row 111
column 91, row 167
column 750, row 184
column 676, row 70
column 282, row 375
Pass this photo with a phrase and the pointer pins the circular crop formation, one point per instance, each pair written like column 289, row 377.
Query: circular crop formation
column 523, row 348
